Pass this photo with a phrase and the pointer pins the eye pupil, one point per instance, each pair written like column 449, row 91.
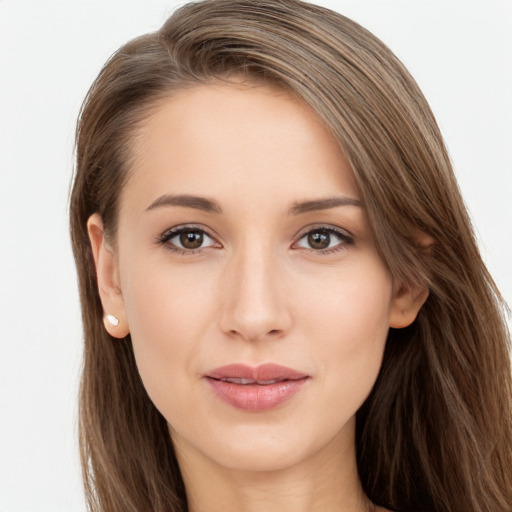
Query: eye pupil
column 191, row 239
column 319, row 239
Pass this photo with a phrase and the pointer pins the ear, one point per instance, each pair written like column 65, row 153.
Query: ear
column 107, row 273
column 408, row 299
column 407, row 302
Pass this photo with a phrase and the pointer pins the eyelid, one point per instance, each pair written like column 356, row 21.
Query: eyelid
column 170, row 233
column 345, row 236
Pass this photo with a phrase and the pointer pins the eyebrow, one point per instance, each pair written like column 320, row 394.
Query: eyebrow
column 187, row 201
column 322, row 204
column 211, row 206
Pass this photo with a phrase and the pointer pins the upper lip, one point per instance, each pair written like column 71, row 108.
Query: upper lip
column 262, row 373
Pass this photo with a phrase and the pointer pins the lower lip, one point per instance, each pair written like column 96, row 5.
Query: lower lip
column 255, row 397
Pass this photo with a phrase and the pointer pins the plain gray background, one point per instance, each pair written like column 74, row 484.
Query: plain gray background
column 458, row 51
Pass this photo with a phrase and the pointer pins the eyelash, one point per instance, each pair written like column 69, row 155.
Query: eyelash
column 168, row 235
column 345, row 239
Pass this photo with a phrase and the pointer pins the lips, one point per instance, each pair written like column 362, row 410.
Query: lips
column 255, row 389
column 235, row 380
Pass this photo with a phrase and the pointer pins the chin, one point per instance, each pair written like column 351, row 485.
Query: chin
column 261, row 457
column 268, row 448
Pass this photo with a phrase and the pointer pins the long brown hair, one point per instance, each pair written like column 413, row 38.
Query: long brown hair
column 436, row 432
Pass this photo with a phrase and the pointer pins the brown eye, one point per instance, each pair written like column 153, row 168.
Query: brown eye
column 324, row 240
column 319, row 239
column 191, row 239
column 187, row 239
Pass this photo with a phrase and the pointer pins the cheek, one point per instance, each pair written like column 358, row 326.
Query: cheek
column 349, row 320
column 167, row 313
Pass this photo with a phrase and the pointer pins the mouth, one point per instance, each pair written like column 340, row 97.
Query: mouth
column 256, row 389
column 245, row 382
column 264, row 374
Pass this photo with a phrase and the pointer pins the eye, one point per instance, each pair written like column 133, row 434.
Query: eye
column 186, row 239
column 324, row 239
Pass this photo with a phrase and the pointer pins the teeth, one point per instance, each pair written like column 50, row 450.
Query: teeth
column 234, row 380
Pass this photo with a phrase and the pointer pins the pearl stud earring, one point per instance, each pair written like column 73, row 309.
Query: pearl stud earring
column 113, row 320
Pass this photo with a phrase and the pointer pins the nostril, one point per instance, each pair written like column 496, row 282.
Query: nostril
column 274, row 333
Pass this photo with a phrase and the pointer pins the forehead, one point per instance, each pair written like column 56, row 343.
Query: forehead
column 231, row 139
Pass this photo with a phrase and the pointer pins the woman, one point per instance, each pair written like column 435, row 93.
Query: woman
column 284, row 305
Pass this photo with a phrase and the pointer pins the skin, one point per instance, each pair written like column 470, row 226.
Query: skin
column 255, row 292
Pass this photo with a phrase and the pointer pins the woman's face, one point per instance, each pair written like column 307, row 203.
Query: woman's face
column 243, row 242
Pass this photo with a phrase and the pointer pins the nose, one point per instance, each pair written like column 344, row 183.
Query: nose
column 254, row 305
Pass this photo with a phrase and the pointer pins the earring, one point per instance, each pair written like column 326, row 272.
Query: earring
column 113, row 320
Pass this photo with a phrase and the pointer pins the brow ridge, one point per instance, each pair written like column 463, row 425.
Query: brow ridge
column 186, row 201
column 211, row 206
column 323, row 204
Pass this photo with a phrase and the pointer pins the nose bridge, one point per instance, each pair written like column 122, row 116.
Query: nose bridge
column 254, row 306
